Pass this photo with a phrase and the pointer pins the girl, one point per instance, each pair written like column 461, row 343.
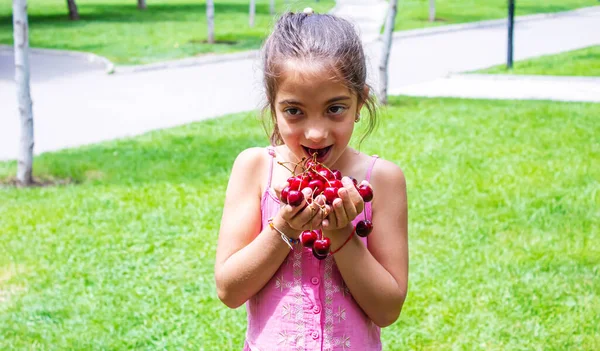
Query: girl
column 315, row 79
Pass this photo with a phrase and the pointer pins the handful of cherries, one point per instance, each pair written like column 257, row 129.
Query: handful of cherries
column 321, row 180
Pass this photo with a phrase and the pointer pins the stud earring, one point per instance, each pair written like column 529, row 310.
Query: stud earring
column 357, row 118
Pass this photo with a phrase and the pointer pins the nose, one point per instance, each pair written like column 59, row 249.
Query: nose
column 316, row 133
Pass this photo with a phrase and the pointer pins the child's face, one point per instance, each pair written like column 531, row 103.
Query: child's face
column 315, row 113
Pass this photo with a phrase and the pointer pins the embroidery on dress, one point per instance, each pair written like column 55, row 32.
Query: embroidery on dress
column 284, row 338
column 344, row 342
column 329, row 291
column 297, row 305
column 280, row 283
column 340, row 314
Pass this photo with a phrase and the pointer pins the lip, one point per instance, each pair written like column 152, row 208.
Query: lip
column 320, row 157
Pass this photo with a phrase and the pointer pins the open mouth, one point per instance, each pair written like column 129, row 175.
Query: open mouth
column 321, row 153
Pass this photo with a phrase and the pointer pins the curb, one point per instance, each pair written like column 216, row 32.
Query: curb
column 489, row 23
column 523, row 77
column 187, row 62
column 108, row 66
column 111, row 68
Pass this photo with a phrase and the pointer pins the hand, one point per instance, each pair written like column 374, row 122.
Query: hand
column 345, row 209
column 305, row 216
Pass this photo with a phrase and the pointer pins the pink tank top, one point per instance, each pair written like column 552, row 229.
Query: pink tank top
column 306, row 305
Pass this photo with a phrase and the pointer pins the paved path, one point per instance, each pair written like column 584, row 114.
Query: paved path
column 88, row 105
column 491, row 86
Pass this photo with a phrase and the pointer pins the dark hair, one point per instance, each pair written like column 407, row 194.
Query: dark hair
column 316, row 37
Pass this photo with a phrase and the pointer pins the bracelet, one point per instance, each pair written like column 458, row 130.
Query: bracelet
column 345, row 242
column 289, row 241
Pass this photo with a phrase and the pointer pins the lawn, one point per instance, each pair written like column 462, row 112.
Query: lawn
column 415, row 13
column 504, row 207
column 172, row 29
column 167, row 30
column 583, row 62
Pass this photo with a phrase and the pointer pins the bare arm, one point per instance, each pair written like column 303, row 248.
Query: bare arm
column 246, row 261
column 378, row 276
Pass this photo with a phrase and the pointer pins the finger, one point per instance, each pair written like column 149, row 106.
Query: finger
column 330, row 219
column 349, row 206
column 354, row 195
column 340, row 213
column 288, row 212
column 312, row 211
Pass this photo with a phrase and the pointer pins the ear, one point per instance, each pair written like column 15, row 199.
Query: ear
column 362, row 101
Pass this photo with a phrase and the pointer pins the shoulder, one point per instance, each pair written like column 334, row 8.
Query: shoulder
column 251, row 158
column 387, row 174
column 248, row 170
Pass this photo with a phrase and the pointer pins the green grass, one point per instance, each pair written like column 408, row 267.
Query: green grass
column 175, row 29
column 583, row 62
column 167, row 30
column 415, row 13
column 504, row 207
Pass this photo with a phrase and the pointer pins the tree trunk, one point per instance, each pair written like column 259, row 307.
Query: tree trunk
column 21, row 44
column 272, row 7
column 387, row 47
column 210, row 20
column 73, row 12
column 252, row 12
column 142, row 4
column 431, row 10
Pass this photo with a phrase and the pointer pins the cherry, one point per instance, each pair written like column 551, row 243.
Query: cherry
column 364, row 228
column 295, row 197
column 337, row 174
column 365, row 192
column 336, row 183
column 284, row 194
column 326, row 174
column 317, row 186
column 318, row 256
column 331, row 193
column 310, row 164
column 321, row 246
column 308, row 237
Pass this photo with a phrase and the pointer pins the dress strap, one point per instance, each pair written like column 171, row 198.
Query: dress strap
column 370, row 170
column 271, row 151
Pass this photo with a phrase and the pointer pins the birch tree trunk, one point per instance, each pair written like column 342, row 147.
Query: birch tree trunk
column 142, row 4
column 21, row 44
column 272, row 7
column 252, row 12
column 431, row 10
column 387, row 47
column 210, row 20
column 73, row 12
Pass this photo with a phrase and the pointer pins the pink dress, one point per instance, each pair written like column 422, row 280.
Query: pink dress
column 306, row 305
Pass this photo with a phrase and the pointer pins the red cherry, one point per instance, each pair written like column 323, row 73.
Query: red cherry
column 365, row 192
column 310, row 164
column 308, row 237
column 326, row 174
column 337, row 174
column 318, row 256
column 294, row 182
column 284, row 194
column 321, row 246
column 302, row 182
column 295, row 197
column 317, row 186
column 364, row 228
column 336, row 183
column 331, row 193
